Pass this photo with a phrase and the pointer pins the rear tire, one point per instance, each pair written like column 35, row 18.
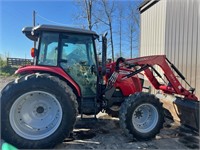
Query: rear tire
column 141, row 116
column 37, row 111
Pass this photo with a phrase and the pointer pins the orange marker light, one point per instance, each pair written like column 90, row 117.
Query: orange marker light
column 104, row 80
column 33, row 52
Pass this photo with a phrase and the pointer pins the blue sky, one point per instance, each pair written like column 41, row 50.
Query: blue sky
column 15, row 15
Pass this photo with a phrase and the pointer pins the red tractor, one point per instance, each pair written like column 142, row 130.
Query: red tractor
column 39, row 108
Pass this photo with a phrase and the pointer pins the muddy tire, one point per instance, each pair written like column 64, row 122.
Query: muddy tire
column 141, row 116
column 37, row 111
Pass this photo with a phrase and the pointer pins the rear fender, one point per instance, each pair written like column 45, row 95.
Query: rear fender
column 52, row 70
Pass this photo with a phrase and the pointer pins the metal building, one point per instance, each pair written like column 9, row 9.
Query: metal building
column 172, row 27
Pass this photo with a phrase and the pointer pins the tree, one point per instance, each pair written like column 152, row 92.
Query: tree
column 120, row 28
column 86, row 12
column 133, row 26
column 102, row 15
column 2, row 61
column 108, row 8
column 88, row 5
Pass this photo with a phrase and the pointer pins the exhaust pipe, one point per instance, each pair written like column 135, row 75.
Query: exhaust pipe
column 104, row 53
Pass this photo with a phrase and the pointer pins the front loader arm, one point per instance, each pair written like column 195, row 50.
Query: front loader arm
column 147, row 62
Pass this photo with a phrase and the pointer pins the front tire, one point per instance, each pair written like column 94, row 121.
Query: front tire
column 141, row 116
column 37, row 111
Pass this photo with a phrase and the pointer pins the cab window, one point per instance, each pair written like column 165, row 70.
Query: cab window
column 78, row 60
column 48, row 50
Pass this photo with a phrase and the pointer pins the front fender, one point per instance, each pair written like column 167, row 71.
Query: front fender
column 55, row 70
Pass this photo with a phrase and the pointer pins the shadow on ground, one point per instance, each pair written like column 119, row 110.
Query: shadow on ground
column 105, row 133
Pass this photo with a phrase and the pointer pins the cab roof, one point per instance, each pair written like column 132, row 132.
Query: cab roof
column 33, row 32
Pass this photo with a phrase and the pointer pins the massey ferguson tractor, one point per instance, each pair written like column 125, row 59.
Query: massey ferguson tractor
column 39, row 108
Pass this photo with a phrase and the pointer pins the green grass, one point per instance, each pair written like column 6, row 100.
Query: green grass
column 6, row 70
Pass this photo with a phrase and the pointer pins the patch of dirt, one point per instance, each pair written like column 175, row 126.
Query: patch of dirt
column 105, row 133
column 5, row 80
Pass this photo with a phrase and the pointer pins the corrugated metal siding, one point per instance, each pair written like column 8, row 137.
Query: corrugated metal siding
column 152, row 38
column 181, row 42
column 197, row 64
column 153, row 30
column 172, row 27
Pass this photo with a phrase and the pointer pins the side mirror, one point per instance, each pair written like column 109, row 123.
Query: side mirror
column 104, row 53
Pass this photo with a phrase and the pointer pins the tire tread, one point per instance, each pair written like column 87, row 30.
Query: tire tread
column 132, row 100
column 17, row 83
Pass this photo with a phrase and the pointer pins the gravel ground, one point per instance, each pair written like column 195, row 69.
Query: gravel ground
column 105, row 133
column 5, row 80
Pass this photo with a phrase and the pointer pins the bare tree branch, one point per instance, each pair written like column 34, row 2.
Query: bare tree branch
column 109, row 12
column 101, row 20
column 86, row 7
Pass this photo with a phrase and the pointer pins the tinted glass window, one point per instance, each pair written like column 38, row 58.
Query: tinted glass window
column 48, row 51
column 78, row 53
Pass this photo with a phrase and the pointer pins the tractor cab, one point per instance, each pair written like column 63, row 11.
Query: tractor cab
column 71, row 49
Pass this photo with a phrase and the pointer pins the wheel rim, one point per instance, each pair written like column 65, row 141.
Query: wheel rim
column 145, row 118
column 35, row 115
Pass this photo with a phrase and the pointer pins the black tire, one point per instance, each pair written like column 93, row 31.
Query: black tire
column 42, row 83
column 131, row 112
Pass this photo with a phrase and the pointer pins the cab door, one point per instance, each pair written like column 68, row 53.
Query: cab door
column 78, row 60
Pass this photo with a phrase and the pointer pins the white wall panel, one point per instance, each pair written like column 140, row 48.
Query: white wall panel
column 152, row 30
column 172, row 27
column 198, row 53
